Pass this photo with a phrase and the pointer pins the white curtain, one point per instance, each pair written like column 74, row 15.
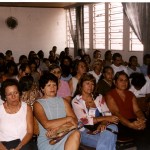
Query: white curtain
column 77, row 32
column 138, row 15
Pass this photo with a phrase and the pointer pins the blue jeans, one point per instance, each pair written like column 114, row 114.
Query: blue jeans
column 105, row 140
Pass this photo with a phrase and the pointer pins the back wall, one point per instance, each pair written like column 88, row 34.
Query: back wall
column 38, row 29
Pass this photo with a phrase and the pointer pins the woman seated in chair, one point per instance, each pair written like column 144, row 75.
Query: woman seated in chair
column 16, row 118
column 123, row 104
column 98, row 132
column 52, row 113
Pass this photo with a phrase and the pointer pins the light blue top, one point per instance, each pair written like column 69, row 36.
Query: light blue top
column 54, row 108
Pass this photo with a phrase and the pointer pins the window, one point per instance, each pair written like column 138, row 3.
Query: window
column 99, row 26
column 86, row 26
column 73, row 17
column 135, row 44
column 105, row 28
column 115, row 26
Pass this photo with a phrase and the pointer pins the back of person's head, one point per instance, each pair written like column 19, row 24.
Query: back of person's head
column 115, row 55
column 25, row 83
column 5, row 84
column 138, row 80
column 45, row 78
column 84, row 77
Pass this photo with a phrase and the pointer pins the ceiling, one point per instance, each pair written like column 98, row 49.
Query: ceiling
column 41, row 4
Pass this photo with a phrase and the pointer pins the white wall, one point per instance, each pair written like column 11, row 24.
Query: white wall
column 38, row 28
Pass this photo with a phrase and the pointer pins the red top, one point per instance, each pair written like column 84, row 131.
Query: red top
column 125, row 107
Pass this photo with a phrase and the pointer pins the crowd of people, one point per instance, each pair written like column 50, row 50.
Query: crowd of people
column 59, row 102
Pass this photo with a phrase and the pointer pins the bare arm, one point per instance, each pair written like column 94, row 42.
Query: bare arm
column 2, row 147
column 48, row 124
column 115, row 111
column 70, row 113
column 70, row 85
column 29, row 133
column 139, row 114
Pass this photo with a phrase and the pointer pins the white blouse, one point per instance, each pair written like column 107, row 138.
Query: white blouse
column 13, row 126
column 81, row 111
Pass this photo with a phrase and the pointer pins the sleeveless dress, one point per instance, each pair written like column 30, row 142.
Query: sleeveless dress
column 54, row 108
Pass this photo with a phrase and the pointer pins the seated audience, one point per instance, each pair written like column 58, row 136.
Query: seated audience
column 22, row 59
column 52, row 113
column 63, row 86
column 146, row 62
column 9, row 56
column 29, row 94
column 11, row 70
column 105, row 82
column 107, row 58
column 133, row 65
column 80, row 55
column 97, row 69
column 2, row 66
column 79, row 68
column 67, row 52
column 16, row 118
column 24, row 70
column 34, row 72
column 66, row 67
column 53, row 58
column 141, row 89
column 42, row 65
column 29, row 90
column 87, row 59
column 139, row 85
column 93, row 112
column 117, row 63
column 96, row 55
column 123, row 104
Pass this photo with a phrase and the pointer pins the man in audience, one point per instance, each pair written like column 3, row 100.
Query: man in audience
column 146, row 62
column 140, row 86
column 117, row 63
column 97, row 69
column 24, row 70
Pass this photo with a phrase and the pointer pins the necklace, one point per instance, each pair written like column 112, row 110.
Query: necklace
column 10, row 110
